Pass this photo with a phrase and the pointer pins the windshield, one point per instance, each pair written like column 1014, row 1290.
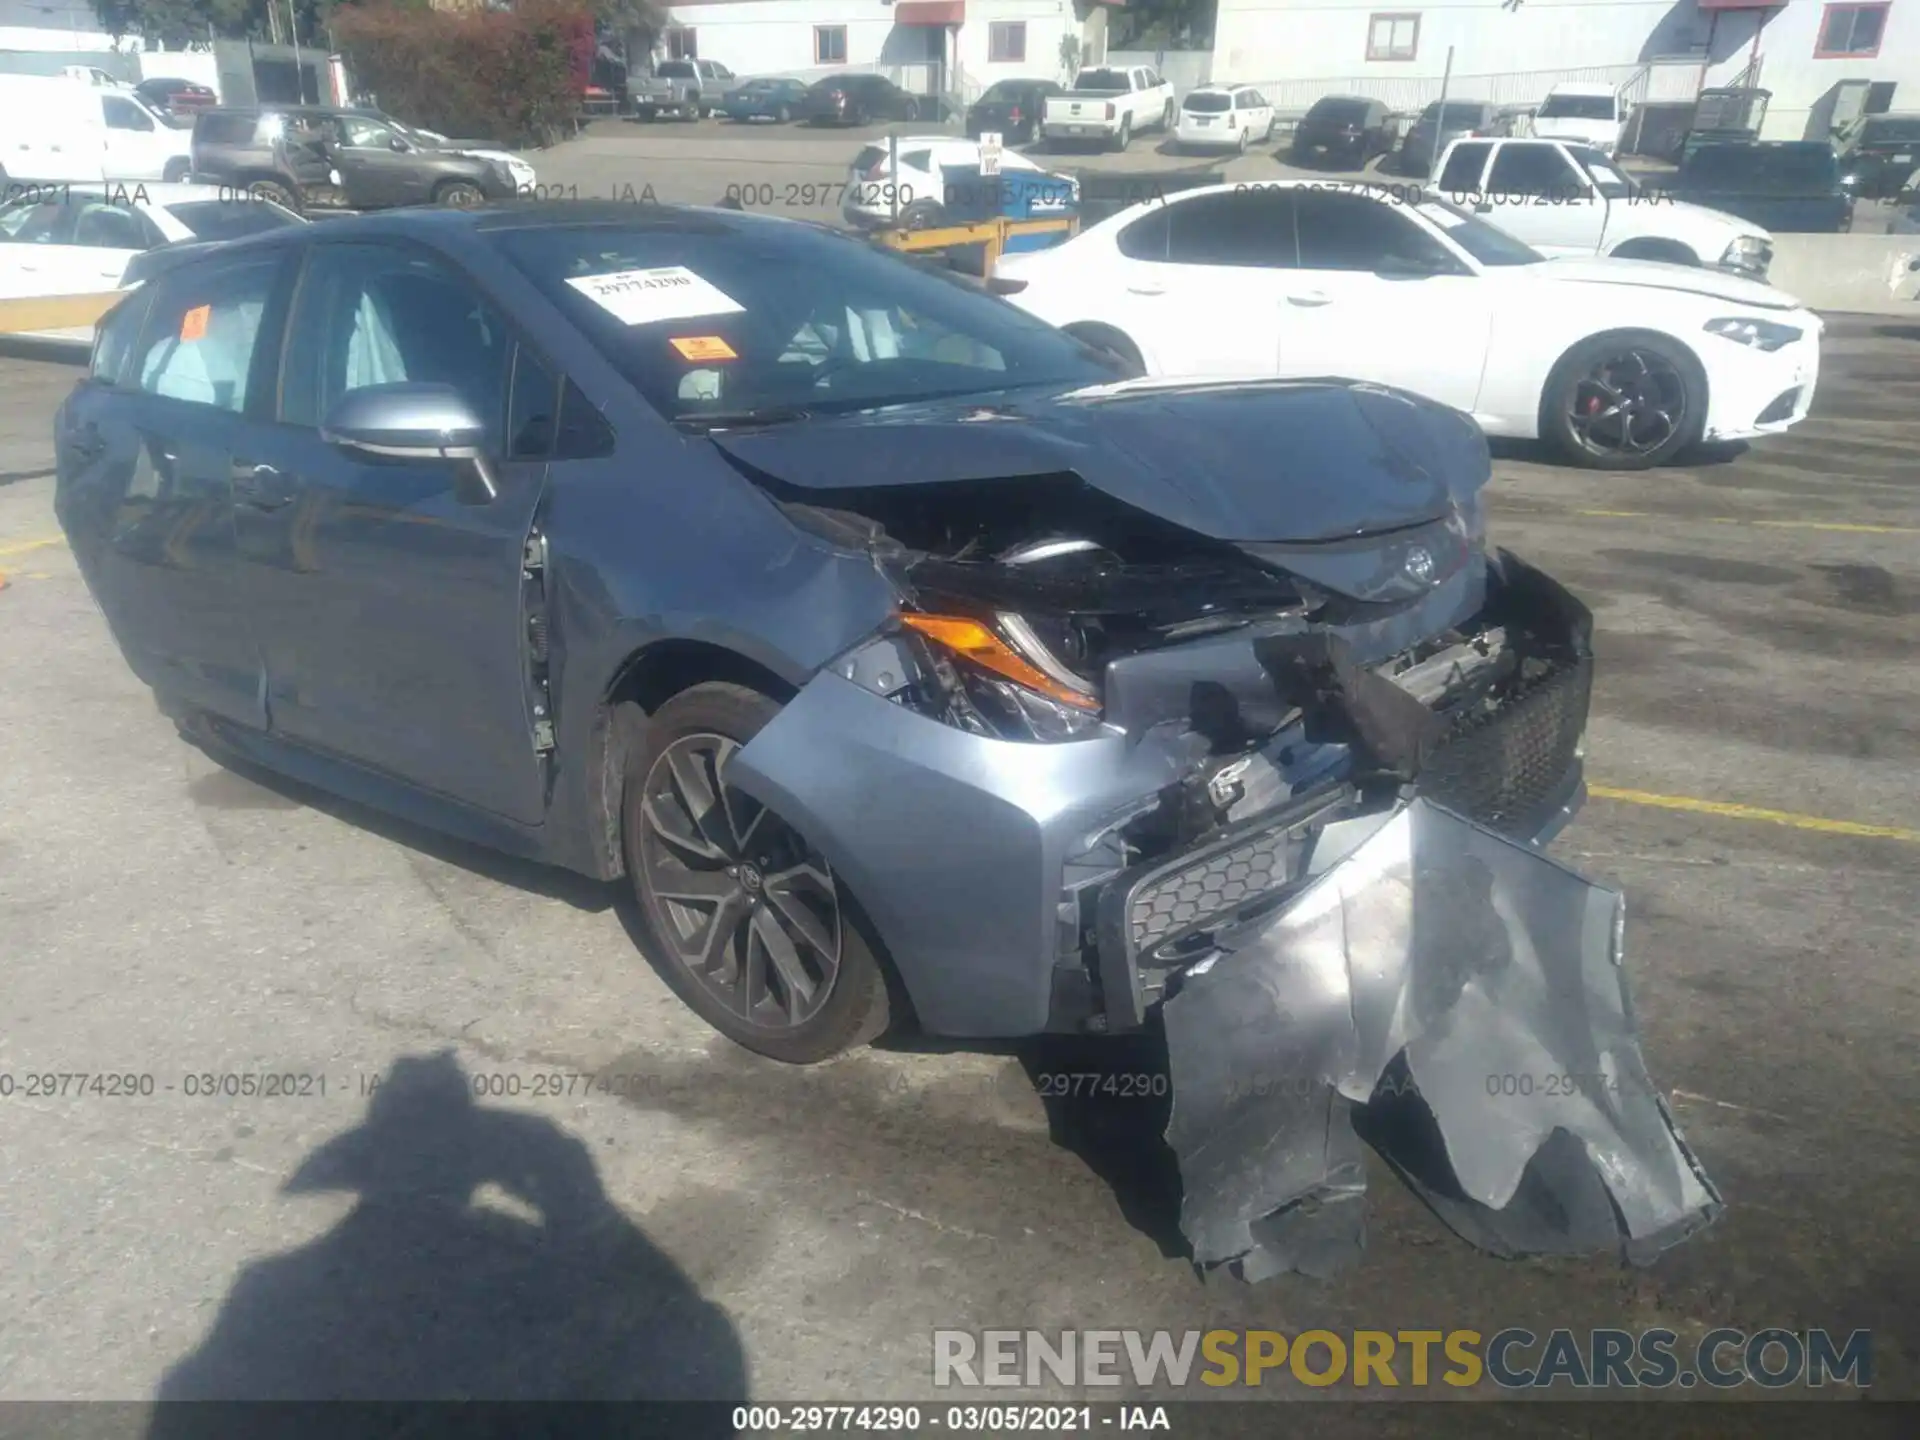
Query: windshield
column 1485, row 243
column 709, row 320
column 1005, row 91
column 1205, row 104
column 674, row 70
column 1338, row 112
column 1903, row 131
column 1459, row 112
column 1106, row 82
column 1577, row 107
column 1763, row 169
column 226, row 220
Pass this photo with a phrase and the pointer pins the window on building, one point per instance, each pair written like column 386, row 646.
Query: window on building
column 1850, row 32
column 1007, row 42
column 683, row 44
column 1393, row 37
column 829, row 44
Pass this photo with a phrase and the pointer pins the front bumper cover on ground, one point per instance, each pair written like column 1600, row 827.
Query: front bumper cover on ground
column 1458, row 1000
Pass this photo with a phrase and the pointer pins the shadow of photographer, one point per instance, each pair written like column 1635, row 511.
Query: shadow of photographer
column 483, row 1261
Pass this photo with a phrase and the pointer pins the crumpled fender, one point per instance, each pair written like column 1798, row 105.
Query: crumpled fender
column 1459, row 1001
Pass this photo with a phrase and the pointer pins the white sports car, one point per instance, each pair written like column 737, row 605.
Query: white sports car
column 1619, row 364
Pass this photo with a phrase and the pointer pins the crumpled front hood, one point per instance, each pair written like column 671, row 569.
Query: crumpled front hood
column 1241, row 461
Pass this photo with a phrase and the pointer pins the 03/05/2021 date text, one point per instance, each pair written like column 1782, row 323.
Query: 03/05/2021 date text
column 536, row 1084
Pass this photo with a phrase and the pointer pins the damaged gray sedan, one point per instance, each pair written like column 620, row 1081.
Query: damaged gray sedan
column 912, row 664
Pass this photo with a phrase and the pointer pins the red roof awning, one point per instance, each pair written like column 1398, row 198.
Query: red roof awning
column 1741, row 4
column 930, row 12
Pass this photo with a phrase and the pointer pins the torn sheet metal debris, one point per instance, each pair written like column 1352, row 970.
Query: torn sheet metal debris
column 1458, row 1001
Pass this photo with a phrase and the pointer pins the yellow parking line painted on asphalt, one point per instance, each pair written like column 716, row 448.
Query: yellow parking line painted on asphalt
column 1753, row 812
column 29, row 545
column 1738, row 520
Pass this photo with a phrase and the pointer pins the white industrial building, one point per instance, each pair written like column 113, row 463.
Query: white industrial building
column 926, row 46
column 1819, row 59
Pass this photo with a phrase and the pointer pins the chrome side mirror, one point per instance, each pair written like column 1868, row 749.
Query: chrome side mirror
column 413, row 420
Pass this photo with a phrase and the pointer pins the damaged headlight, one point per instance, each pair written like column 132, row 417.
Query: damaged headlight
column 991, row 675
column 1761, row 334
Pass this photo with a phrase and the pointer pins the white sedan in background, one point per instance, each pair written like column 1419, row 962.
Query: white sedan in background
column 59, row 239
column 1618, row 364
column 1223, row 117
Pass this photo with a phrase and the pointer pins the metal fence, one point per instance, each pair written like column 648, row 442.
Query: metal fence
column 1655, row 81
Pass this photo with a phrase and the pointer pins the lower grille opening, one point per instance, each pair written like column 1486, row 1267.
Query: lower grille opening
column 1781, row 409
column 1502, row 767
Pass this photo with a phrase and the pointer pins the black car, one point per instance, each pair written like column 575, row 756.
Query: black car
column 1883, row 157
column 861, row 100
column 770, row 99
column 1343, row 130
column 1786, row 186
column 1013, row 108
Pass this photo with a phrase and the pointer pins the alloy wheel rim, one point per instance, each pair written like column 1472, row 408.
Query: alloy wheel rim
column 1628, row 404
column 749, row 909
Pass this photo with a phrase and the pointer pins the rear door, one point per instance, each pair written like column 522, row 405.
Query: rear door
column 391, row 604
column 147, row 447
column 1204, row 282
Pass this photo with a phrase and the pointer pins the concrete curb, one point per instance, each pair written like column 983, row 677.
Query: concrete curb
column 1863, row 274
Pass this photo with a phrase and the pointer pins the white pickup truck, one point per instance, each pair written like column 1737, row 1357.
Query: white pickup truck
column 1569, row 199
column 1108, row 106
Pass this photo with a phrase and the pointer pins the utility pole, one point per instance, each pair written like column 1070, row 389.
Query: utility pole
column 1440, row 129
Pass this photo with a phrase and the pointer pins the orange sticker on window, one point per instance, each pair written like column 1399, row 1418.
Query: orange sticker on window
column 703, row 347
column 193, row 324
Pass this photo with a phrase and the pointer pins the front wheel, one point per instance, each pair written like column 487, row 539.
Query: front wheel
column 275, row 193
column 176, row 171
column 755, row 932
column 1166, row 117
column 459, row 195
column 1109, row 341
column 1628, row 401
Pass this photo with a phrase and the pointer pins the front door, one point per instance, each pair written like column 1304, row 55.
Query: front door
column 391, row 605
column 1535, row 194
column 1377, row 297
column 147, row 448
column 373, row 174
column 136, row 148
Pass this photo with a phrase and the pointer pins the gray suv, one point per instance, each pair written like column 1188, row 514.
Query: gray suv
column 303, row 156
column 1434, row 131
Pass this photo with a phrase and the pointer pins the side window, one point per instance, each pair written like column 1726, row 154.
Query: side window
column 533, row 407
column 1465, row 166
column 371, row 314
column 1533, row 171
column 1352, row 232
column 360, row 134
column 584, row 433
column 1246, row 227
column 114, row 227
column 202, row 331
column 42, row 222
column 1146, row 238
column 921, row 160
column 123, row 114
column 114, row 337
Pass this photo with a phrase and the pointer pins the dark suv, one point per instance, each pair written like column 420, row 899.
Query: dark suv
column 313, row 156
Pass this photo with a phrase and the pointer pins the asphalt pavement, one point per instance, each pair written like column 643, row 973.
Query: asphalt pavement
column 443, row 1204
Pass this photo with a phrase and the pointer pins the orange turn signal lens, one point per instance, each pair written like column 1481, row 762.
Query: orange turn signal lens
column 973, row 641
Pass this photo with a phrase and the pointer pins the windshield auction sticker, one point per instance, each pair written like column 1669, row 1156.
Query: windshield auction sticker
column 641, row 297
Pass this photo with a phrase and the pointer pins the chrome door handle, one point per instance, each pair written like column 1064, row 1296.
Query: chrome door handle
column 1309, row 299
column 1145, row 290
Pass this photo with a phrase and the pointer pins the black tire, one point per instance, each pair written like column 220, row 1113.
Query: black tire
column 1124, row 136
column 458, row 194
column 923, row 215
column 1634, row 360
column 1112, row 341
column 1166, row 117
column 276, row 192
column 856, row 1006
column 176, row 171
column 1670, row 251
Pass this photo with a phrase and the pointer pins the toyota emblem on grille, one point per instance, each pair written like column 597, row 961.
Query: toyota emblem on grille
column 1419, row 565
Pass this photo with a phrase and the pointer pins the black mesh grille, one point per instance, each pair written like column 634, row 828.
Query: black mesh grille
column 1781, row 409
column 1211, row 887
column 1500, row 767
